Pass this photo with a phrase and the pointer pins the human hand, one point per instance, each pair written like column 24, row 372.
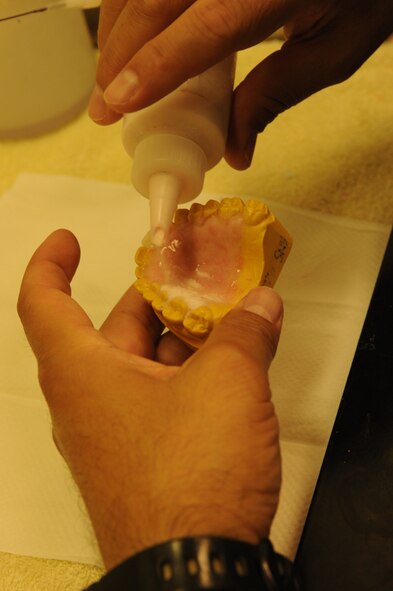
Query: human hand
column 149, row 48
column 160, row 446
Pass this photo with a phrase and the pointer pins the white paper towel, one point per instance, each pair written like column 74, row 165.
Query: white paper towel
column 42, row 513
column 326, row 284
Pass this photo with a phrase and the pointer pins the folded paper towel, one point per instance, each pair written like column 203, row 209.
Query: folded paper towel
column 326, row 286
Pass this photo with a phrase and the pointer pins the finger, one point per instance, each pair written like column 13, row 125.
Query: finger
column 138, row 22
column 99, row 111
column 49, row 315
column 286, row 77
column 247, row 337
column 133, row 326
column 282, row 80
column 171, row 350
column 109, row 13
column 209, row 30
column 124, row 28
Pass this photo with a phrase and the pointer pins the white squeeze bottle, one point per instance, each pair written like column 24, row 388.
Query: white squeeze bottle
column 177, row 139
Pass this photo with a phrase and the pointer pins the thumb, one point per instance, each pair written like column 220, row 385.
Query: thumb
column 252, row 329
column 285, row 78
column 48, row 313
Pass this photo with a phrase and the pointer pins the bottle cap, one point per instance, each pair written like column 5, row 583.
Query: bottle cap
column 168, row 169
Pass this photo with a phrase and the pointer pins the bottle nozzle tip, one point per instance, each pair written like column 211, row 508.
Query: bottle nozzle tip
column 164, row 191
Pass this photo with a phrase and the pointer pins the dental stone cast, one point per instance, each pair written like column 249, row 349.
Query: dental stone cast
column 213, row 255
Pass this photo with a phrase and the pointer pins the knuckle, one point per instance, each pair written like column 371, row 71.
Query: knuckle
column 25, row 305
column 111, row 61
column 157, row 56
column 256, row 331
column 220, row 21
column 269, row 339
column 248, row 336
column 148, row 10
column 269, row 108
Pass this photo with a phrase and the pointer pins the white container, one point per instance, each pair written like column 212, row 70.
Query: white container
column 47, row 71
column 177, row 139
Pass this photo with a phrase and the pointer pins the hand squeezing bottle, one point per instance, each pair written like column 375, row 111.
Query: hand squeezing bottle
column 176, row 140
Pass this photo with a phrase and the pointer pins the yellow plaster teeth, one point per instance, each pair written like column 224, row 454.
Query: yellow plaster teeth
column 139, row 284
column 199, row 321
column 139, row 272
column 181, row 216
column 151, row 291
column 196, row 213
column 158, row 303
column 175, row 310
column 230, row 206
column 146, row 240
column 211, row 208
column 255, row 212
column 141, row 255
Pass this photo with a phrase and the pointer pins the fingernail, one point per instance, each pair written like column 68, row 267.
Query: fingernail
column 264, row 302
column 249, row 149
column 97, row 107
column 122, row 88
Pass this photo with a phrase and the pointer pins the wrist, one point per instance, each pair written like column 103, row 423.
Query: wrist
column 202, row 563
column 125, row 532
column 126, row 536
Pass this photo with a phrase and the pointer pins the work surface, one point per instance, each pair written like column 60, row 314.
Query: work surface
column 333, row 154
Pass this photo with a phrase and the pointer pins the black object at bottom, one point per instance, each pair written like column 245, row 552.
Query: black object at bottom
column 202, row 563
column 347, row 544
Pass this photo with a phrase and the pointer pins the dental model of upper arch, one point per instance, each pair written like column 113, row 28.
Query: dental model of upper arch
column 213, row 255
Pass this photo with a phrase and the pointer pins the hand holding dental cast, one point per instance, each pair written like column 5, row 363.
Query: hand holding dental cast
column 161, row 445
